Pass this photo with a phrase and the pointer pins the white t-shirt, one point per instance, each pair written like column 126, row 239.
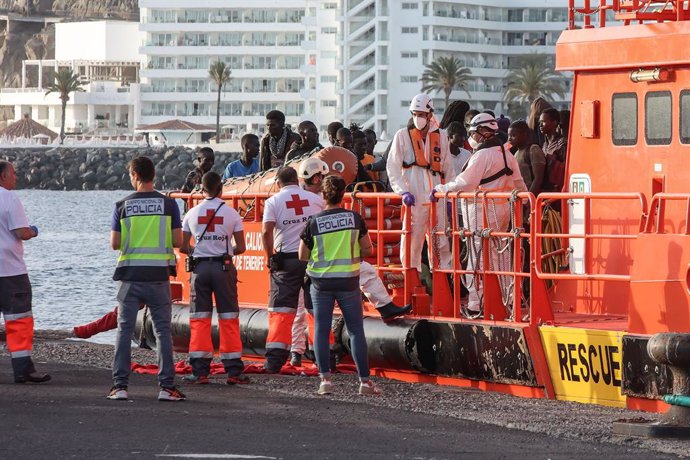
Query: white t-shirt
column 12, row 217
column 459, row 161
column 217, row 239
column 289, row 209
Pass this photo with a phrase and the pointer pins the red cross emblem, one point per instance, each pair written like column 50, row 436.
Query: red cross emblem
column 297, row 204
column 210, row 223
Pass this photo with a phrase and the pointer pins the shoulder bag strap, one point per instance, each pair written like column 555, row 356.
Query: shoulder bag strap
column 191, row 253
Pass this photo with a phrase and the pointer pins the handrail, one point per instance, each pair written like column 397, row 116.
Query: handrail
column 380, row 202
column 539, row 235
column 658, row 211
column 492, row 309
column 628, row 11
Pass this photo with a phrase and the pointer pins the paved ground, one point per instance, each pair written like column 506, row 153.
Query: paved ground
column 70, row 417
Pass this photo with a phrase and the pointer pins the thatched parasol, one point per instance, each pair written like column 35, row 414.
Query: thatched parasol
column 177, row 125
column 27, row 128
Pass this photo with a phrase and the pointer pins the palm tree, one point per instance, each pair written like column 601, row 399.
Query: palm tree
column 533, row 77
column 219, row 73
column 446, row 74
column 66, row 82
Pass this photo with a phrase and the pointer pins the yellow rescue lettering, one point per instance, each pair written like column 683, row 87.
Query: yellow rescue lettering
column 579, row 363
column 585, row 364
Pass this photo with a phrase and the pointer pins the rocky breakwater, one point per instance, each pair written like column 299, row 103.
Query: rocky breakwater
column 101, row 168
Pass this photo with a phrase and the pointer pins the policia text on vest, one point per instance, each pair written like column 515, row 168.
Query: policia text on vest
column 146, row 250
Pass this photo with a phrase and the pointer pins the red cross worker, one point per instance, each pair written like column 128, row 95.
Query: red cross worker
column 218, row 235
column 285, row 216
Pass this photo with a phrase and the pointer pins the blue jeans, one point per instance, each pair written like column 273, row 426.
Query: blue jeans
column 350, row 303
column 156, row 295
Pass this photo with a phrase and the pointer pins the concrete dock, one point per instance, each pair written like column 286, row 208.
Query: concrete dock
column 281, row 417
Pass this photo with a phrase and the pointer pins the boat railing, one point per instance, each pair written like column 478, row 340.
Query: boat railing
column 487, row 254
column 588, row 235
column 505, row 281
column 626, row 11
column 249, row 205
column 657, row 222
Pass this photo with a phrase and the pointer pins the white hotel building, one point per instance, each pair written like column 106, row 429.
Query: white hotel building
column 384, row 46
column 105, row 56
column 353, row 60
column 324, row 60
column 282, row 55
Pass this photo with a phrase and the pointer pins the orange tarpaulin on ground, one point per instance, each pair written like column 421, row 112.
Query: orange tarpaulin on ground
column 183, row 368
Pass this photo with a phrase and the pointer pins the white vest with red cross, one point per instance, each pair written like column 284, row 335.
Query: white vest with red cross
column 289, row 209
column 219, row 227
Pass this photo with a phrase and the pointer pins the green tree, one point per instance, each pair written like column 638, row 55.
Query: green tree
column 66, row 82
column 446, row 74
column 532, row 77
column 219, row 73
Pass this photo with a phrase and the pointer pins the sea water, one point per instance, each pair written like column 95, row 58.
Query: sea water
column 71, row 263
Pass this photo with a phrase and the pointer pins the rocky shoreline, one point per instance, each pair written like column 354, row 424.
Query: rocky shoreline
column 65, row 168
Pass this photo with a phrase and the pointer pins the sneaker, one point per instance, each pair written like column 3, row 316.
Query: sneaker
column 368, row 388
column 196, row 379
column 295, row 359
column 325, row 388
column 238, row 380
column 171, row 394
column 118, row 394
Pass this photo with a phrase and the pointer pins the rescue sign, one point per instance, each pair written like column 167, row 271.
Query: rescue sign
column 585, row 364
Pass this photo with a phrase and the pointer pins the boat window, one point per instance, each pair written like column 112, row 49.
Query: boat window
column 657, row 117
column 624, row 118
column 685, row 116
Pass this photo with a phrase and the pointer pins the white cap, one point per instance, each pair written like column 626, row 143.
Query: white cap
column 485, row 120
column 312, row 166
column 422, row 103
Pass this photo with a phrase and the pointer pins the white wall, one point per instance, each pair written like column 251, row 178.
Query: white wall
column 97, row 40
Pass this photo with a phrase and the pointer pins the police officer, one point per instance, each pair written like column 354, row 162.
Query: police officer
column 333, row 242
column 15, row 287
column 491, row 168
column 313, row 171
column 213, row 224
column 145, row 228
column 285, row 215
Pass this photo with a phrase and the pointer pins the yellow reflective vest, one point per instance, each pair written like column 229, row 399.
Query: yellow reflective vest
column 335, row 244
column 146, row 247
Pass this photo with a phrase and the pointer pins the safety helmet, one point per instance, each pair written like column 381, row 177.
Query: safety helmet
column 422, row 103
column 483, row 120
column 312, row 166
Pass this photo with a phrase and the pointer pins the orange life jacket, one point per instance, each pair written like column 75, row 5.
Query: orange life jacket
column 418, row 144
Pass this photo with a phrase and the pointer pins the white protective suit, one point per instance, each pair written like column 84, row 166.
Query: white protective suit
column 370, row 284
column 483, row 164
column 419, row 182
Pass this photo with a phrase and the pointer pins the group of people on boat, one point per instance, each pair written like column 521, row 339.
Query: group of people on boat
column 305, row 232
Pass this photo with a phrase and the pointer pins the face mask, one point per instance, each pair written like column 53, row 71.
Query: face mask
column 419, row 123
column 473, row 143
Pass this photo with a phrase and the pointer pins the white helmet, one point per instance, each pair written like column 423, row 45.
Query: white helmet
column 485, row 120
column 312, row 166
column 422, row 103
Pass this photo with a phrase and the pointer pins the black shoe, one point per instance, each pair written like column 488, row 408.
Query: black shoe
column 391, row 311
column 271, row 369
column 295, row 359
column 34, row 377
column 237, row 380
